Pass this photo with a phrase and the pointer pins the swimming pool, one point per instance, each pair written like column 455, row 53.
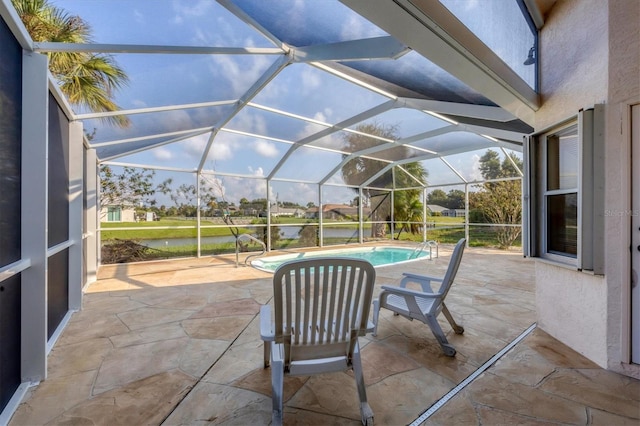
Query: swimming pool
column 378, row 256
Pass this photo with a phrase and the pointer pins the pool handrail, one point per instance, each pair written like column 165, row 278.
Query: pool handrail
column 252, row 238
column 421, row 247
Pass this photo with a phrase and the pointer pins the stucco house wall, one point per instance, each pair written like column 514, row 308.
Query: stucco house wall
column 589, row 55
column 624, row 91
column 126, row 214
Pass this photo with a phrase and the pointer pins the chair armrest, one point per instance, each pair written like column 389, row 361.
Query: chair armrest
column 409, row 292
column 421, row 277
column 423, row 280
column 266, row 329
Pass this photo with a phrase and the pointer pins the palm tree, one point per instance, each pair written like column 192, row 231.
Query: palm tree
column 87, row 79
column 407, row 205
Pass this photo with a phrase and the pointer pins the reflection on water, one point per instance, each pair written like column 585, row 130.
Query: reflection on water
column 286, row 232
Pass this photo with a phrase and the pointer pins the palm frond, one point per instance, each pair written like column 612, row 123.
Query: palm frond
column 89, row 80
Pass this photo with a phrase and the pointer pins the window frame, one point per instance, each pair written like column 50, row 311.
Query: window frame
column 567, row 129
column 114, row 214
column 590, row 190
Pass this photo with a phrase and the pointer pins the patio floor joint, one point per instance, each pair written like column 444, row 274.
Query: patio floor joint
column 453, row 392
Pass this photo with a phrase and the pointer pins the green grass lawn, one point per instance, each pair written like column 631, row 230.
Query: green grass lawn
column 187, row 228
column 150, row 233
column 445, row 230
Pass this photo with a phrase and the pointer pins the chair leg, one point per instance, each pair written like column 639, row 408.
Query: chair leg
column 267, row 353
column 448, row 349
column 277, row 384
column 366, row 413
column 376, row 313
column 458, row 329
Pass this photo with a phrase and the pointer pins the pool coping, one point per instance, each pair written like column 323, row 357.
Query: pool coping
column 313, row 254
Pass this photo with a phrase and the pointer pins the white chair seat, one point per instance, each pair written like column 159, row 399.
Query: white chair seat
column 398, row 304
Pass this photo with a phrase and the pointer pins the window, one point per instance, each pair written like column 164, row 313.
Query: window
column 560, row 195
column 113, row 214
column 564, row 192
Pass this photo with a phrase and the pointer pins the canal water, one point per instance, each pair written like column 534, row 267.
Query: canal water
column 286, row 232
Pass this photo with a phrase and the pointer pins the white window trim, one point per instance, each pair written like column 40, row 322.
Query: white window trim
column 566, row 129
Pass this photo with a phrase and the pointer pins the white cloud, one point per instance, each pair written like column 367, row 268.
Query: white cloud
column 170, row 121
column 265, row 148
column 354, row 28
column 194, row 147
column 471, row 5
column 311, row 80
column 162, row 154
column 139, row 16
column 475, row 173
column 256, row 172
column 311, row 128
column 138, row 103
column 238, row 188
column 239, row 73
column 220, row 151
column 191, row 8
column 301, row 193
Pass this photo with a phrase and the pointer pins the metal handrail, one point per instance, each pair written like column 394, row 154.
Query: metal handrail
column 252, row 238
column 420, row 248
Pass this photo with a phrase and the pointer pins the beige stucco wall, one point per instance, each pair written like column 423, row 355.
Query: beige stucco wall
column 573, row 64
column 589, row 54
column 624, row 90
column 571, row 306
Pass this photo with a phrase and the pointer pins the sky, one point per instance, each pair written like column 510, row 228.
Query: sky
column 167, row 79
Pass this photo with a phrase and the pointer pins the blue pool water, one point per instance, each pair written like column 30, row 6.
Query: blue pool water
column 378, row 256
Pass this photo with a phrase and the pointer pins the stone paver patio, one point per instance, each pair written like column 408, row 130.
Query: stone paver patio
column 177, row 342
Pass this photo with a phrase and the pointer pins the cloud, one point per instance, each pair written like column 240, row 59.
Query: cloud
column 256, row 172
column 311, row 128
column 191, row 8
column 220, row 151
column 138, row 103
column 239, row 73
column 139, row 17
column 301, row 193
column 471, row 5
column 355, row 28
column 169, row 121
column 238, row 188
column 265, row 148
column 311, row 80
column 475, row 173
column 162, row 154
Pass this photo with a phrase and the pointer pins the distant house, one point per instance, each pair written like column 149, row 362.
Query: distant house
column 117, row 214
column 453, row 213
column 436, row 209
column 278, row 211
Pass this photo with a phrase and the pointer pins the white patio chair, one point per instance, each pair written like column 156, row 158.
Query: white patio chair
column 321, row 307
column 423, row 305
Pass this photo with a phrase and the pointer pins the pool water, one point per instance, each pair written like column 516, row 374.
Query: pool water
column 378, row 256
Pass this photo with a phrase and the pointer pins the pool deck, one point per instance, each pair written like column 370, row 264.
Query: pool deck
column 177, row 342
